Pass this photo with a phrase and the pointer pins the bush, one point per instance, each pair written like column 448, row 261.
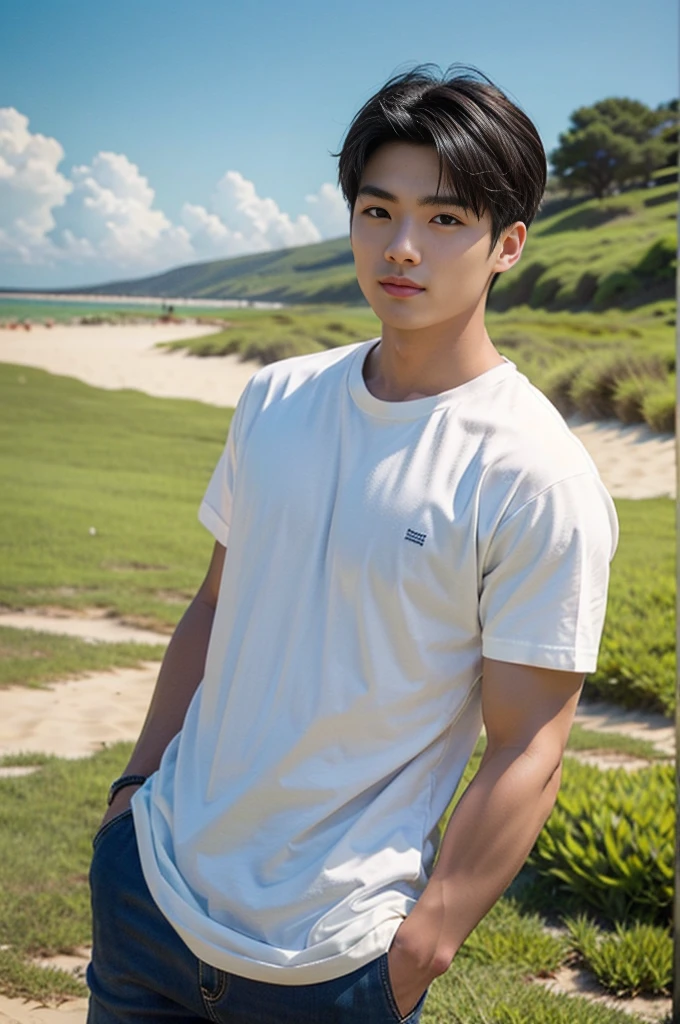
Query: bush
column 557, row 384
column 610, row 840
column 545, row 291
column 628, row 397
column 660, row 260
column 658, row 406
column 594, row 388
column 614, row 288
column 586, row 288
column 628, row 961
column 270, row 350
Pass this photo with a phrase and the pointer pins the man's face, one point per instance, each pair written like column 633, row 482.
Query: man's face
column 441, row 247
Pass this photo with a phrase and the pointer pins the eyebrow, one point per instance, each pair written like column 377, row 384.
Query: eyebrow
column 443, row 199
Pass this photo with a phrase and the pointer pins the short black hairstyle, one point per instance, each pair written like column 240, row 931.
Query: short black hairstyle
column 490, row 152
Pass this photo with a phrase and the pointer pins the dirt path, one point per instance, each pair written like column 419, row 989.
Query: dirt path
column 77, row 717
column 93, row 625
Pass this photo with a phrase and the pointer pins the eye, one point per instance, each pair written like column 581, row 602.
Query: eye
column 450, row 216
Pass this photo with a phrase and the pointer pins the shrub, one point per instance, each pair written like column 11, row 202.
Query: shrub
column 545, row 291
column 270, row 350
column 658, row 406
column 594, row 388
column 610, row 840
column 614, row 288
column 586, row 288
column 628, row 396
column 557, row 384
column 629, row 960
column 660, row 260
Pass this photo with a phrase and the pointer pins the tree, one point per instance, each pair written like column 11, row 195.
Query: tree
column 615, row 142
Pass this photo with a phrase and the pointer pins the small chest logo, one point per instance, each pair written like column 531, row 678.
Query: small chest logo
column 417, row 538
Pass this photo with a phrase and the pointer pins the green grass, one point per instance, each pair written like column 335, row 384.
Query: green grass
column 31, row 658
column 266, row 336
column 131, row 466
column 47, row 821
column 472, row 993
column 595, row 742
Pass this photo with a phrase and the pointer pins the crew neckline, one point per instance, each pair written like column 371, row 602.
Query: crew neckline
column 410, row 409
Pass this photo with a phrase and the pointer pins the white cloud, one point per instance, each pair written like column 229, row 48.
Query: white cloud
column 260, row 221
column 329, row 211
column 102, row 216
column 111, row 208
column 30, row 188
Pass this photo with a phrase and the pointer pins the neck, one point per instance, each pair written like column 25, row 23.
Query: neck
column 411, row 364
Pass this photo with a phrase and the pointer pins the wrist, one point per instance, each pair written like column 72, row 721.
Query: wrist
column 124, row 782
column 123, row 798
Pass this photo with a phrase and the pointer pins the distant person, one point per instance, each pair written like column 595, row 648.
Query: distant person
column 409, row 542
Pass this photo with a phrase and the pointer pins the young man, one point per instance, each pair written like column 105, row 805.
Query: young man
column 409, row 542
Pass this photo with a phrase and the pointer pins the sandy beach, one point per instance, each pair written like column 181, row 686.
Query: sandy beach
column 633, row 461
column 124, row 356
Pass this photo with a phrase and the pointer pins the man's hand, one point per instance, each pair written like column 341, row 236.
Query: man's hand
column 416, row 957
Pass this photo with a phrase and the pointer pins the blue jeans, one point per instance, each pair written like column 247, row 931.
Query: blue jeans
column 142, row 971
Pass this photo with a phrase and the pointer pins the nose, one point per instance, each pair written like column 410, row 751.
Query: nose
column 403, row 245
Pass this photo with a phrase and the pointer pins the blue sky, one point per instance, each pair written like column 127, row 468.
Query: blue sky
column 136, row 136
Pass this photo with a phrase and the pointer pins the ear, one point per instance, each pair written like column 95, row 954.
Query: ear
column 512, row 245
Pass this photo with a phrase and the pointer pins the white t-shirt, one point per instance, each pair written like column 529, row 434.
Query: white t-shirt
column 375, row 551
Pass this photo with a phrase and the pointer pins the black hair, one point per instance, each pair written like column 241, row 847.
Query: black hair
column 490, row 152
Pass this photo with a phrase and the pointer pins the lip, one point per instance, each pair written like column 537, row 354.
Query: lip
column 398, row 291
column 402, row 282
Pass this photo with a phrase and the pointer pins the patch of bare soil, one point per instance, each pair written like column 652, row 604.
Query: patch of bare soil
column 575, row 981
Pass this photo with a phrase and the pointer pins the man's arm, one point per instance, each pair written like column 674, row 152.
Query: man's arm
column 180, row 674
column 528, row 712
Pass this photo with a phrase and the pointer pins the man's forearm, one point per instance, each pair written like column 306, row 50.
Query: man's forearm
column 487, row 840
column 181, row 672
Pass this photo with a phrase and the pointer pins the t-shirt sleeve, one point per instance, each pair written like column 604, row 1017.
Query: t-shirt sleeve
column 545, row 581
column 216, row 507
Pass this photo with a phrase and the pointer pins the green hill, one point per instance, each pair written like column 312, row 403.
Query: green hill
column 580, row 254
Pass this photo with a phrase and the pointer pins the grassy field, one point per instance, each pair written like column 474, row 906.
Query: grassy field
column 138, row 482
column 131, row 467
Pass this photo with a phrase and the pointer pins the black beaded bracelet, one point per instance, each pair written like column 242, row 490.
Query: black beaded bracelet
column 124, row 780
